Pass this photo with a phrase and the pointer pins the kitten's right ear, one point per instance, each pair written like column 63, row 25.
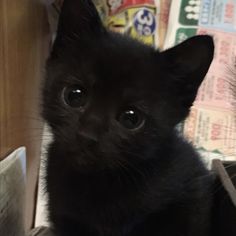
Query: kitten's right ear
column 79, row 20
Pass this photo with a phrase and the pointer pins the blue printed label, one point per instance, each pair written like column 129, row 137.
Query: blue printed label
column 145, row 22
column 218, row 14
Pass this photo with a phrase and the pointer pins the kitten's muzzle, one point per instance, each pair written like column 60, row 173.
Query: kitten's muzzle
column 91, row 128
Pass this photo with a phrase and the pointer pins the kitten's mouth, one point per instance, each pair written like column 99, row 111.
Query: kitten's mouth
column 89, row 162
column 95, row 155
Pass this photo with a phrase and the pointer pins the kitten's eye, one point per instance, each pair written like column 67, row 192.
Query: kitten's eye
column 131, row 119
column 75, row 96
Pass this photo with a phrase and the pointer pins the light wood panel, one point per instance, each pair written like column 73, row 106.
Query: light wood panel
column 23, row 48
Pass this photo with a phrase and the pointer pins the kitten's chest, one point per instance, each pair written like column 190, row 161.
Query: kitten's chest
column 114, row 203
column 98, row 192
column 106, row 204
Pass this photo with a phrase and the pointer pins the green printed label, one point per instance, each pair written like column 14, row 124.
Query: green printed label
column 184, row 33
column 189, row 12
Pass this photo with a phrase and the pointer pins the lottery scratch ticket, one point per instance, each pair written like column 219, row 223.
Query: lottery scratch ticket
column 118, row 5
column 211, row 124
column 145, row 20
column 215, row 91
column 218, row 14
column 212, row 130
column 138, row 22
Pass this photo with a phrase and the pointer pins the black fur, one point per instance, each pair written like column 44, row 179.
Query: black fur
column 103, row 179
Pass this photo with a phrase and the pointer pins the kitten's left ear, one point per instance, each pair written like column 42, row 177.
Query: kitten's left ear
column 191, row 59
column 187, row 65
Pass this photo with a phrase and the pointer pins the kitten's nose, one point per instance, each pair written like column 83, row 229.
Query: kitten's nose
column 91, row 128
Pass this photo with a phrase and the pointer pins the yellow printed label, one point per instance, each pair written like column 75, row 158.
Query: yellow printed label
column 139, row 23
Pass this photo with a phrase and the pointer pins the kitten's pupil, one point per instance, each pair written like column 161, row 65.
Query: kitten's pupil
column 130, row 119
column 74, row 96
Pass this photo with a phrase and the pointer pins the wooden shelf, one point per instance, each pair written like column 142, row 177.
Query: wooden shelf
column 23, row 49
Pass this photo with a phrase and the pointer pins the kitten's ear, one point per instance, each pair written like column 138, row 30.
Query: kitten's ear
column 191, row 59
column 79, row 20
column 187, row 65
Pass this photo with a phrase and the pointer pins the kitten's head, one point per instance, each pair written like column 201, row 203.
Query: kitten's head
column 108, row 97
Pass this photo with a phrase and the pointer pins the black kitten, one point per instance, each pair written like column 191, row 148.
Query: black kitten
column 116, row 166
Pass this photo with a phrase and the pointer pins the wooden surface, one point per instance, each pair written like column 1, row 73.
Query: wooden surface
column 23, row 47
